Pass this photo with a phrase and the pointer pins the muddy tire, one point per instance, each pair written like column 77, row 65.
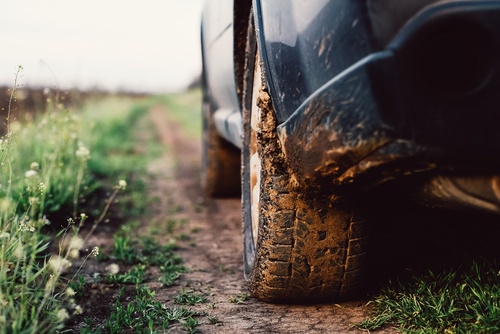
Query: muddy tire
column 221, row 164
column 298, row 246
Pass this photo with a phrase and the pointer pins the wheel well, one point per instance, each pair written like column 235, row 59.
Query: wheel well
column 242, row 11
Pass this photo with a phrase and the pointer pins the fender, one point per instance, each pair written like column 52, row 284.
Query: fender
column 409, row 108
column 308, row 44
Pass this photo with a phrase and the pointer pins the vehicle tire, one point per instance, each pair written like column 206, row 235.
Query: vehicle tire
column 298, row 246
column 221, row 164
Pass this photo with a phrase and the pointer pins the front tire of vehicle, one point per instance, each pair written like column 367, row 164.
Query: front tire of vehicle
column 297, row 247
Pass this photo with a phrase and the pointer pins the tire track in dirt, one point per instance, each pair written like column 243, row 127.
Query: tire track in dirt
column 214, row 253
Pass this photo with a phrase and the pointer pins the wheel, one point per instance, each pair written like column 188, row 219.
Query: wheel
column 298, row 246
column 221, row 164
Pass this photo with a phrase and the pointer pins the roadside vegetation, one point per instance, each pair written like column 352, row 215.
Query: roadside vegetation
column 64, row 174
column 44, row 180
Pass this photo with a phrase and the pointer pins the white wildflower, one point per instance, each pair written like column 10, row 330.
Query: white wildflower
column 75, row 243
column 73, row 246
column 30, row 173
column 34, row 165
column 19, row 252
column 50, row 285
column 122, row 184
column 70, row 292
column 25, row 226
column 78, row 309
column 62, row 315
column 58, row 264
column 74, row 253
column 95, row 251
column 45, row 221
column 82, row 153
column 113, row 269
column 33, row 200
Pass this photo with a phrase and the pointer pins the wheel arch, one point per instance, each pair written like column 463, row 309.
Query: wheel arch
column 242, row 9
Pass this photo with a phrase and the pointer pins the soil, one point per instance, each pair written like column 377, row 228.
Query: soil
column 212, row 250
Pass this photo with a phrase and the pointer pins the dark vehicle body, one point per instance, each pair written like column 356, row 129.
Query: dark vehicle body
column 364, row 93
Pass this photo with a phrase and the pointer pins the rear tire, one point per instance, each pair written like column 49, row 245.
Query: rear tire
column 297, row 247
column 221, row 164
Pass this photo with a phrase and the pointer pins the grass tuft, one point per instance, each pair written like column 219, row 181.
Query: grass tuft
column 184, row 297
column 465, row 301
column 145, row 315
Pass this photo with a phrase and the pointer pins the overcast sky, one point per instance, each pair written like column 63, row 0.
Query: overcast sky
column 144, row 45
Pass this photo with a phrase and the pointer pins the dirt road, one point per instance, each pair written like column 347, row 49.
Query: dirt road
column 215, row 255
column 410, row 241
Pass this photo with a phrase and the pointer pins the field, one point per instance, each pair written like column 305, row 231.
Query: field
column 104, row 229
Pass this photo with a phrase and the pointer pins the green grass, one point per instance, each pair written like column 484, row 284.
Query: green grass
column 185, row 297
column 239, row 298
column 59, row 169
column 466, row 301
column 185, row 108
column 42, row 170
column 114, row 124
column 146, row 251
column 137, row 253
column 45, row 162
column 144, row 315
column 63, row 169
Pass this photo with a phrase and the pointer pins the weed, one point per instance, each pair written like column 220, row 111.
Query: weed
column 190, row 324
column 144, row 315
column 213, row 320
column 147, row 251
column 78, row 285
column 171, row 225
column 183, row 237
column 121, row 292
column 175, row 209
column 184, row 297
column 135, row 276
column 199, row 206
column 169, row 278
column 125, row 249
column 239, row 298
